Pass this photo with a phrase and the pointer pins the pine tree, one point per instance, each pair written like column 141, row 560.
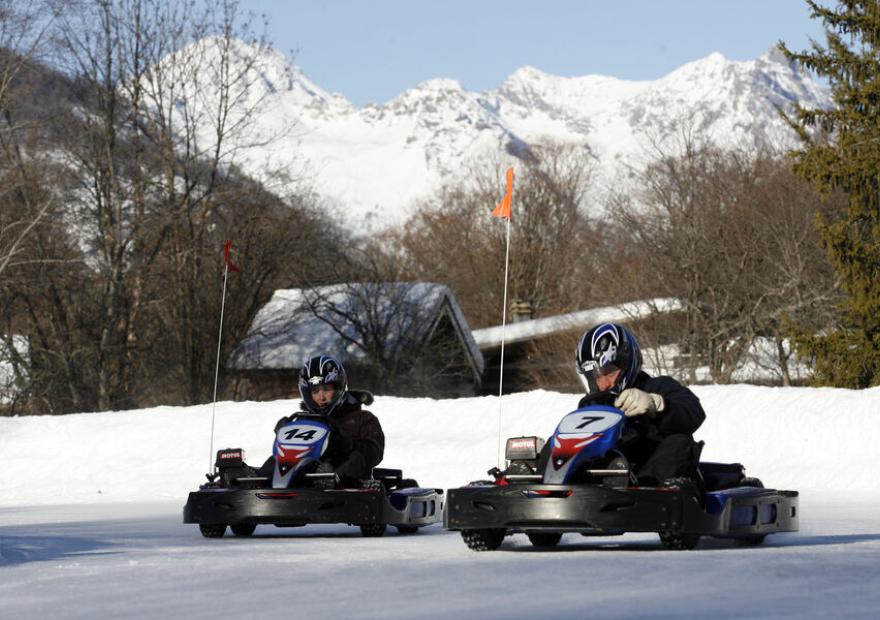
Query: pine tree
column 841, row 153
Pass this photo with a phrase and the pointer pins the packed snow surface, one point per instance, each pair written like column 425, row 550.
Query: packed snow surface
column 90, row 520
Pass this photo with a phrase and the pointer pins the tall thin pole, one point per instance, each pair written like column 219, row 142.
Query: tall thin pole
column 503, row 324
column 217, row 370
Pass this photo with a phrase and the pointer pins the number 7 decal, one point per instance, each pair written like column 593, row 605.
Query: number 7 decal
column 587, row 420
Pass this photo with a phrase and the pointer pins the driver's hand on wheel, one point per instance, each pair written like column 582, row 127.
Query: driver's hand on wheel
column 634, row 401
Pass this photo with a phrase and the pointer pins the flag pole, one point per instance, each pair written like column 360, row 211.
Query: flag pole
column 503, row 325
column 217, row 368
column 504, row 210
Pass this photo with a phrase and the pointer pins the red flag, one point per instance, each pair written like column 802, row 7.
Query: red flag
column 503, row 208
column 226, row 260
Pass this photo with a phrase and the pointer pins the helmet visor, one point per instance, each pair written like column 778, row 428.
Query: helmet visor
column 590, row 373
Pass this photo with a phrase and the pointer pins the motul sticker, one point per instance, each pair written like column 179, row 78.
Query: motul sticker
column 517, row 444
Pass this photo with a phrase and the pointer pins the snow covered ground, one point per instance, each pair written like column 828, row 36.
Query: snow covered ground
column 90, row 521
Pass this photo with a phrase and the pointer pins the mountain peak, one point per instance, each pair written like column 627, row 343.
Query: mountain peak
column 440, row 85
column 774, row 55
column 379, row 160
column 270, row 71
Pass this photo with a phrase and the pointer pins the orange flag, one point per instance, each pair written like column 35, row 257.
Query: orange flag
column 226, row 260
column 503, row 208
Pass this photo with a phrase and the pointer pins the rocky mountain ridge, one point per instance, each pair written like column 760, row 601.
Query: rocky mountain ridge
column 376, row 162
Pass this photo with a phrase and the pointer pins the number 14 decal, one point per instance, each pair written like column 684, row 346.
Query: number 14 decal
column 296, row 433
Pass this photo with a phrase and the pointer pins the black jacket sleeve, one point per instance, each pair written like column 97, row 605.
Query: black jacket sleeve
column 371, row 439
column 683, row 412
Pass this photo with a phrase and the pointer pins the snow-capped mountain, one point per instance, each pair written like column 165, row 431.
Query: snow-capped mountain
column 374, row 163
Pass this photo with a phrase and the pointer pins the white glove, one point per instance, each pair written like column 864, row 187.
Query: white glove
column 635, row 402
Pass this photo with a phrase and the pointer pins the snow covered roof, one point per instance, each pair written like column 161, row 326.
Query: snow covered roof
column 298, row 323
column 583, row 319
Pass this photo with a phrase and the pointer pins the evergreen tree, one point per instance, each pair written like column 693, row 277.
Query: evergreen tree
column 841, row 153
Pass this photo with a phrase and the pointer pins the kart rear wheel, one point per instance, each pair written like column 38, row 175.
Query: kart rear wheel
column 243, row 529
column 212, row 530
column 487, row 539
column 544, row 539
column 373, row 530
column 407, row 529
column 678, row 541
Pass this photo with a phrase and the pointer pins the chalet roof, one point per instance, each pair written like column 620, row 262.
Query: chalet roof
column 298, row 323
column 519, row 331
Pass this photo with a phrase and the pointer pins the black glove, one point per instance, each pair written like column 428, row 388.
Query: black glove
column 342, row 444
column 354, row 466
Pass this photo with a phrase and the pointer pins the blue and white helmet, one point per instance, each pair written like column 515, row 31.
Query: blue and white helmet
column 322, row 370
column 604, row 349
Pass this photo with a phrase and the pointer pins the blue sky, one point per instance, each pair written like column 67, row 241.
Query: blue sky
column 372, row 50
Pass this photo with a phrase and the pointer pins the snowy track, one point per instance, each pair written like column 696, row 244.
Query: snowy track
column 140, row 561
column 116, row 547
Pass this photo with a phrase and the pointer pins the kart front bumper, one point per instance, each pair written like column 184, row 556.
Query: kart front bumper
column 596, row 509
column 296, row 507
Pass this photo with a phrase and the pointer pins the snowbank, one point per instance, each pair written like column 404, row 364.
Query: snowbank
column 820, row 441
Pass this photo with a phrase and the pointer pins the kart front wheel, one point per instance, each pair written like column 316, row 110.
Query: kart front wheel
column 751, row 541
column 373, row 530
column 679, row 541
column 212, row 530
column 244, row 529
column 544, row 539
column 487, row 539
column 407, row 529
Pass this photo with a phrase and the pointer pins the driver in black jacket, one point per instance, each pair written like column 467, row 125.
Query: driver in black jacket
column 357, row 443
column 662, row 414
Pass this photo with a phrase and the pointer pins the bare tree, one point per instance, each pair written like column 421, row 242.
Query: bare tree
column 555, row 249
column 167, row 97
column 729, row 234
column 23, row 26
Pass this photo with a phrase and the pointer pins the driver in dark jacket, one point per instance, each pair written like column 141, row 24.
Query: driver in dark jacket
column 662, row 414
column 357, row 442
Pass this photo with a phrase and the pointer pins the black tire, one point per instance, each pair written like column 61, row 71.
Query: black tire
column 325, row 483
column 751, row 482
column 407, row 483
column 544, row 539
column 212, row 530
column 679, row 541
column 676, row 540
column 487, row 539
column 407, row 529
column 373, row 530
column 751, row 541
column 243, row 529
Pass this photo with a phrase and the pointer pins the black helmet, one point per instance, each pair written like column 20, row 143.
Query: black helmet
column 322, row 370
column 604, row 348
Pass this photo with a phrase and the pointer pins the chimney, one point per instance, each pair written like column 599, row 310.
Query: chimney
column 520, row 310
